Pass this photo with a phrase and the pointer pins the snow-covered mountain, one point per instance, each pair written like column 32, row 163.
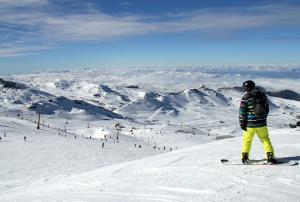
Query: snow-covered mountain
column 142, row 135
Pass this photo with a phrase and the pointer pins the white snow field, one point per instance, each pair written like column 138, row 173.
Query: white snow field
column 127, row 135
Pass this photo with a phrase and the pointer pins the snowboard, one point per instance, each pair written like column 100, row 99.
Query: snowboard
column 260, row 162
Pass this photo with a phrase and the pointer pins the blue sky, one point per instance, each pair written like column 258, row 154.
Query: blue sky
column 63, row 34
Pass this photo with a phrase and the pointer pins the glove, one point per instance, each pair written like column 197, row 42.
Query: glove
column 244, row 128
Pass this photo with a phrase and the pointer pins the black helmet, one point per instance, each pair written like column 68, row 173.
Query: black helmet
column 248, row 85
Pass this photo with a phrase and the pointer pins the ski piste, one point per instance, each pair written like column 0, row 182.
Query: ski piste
column 260, row 162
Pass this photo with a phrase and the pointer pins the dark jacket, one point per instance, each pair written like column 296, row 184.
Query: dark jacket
column 247, row 115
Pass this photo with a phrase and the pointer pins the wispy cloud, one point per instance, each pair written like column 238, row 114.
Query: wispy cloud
column 95, row 26
column 232, row 19
column 283, row 38
column 18, row 51
column 22, row 3
column 33, row 23
column 126, row 3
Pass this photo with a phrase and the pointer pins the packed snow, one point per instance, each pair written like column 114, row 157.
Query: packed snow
column 144, row 135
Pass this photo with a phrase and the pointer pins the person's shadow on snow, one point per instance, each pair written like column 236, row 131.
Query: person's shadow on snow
column 288, row 159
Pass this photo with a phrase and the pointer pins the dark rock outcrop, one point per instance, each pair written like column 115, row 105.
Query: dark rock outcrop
column 11, row 84
column 286, row 94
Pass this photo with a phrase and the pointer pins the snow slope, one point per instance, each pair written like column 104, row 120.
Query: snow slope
column 50, row 153
column 164, row 132
column 192, row 174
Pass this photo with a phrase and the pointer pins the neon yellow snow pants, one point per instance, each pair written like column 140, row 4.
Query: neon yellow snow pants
column 263, row 135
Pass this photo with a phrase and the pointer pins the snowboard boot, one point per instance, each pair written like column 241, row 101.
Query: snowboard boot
column 245, row 158
column 270, row 158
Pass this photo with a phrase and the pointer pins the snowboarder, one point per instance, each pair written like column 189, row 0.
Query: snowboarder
column 25, row 139
column 254, row 109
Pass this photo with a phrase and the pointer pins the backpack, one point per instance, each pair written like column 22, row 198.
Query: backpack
column 260, row 103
